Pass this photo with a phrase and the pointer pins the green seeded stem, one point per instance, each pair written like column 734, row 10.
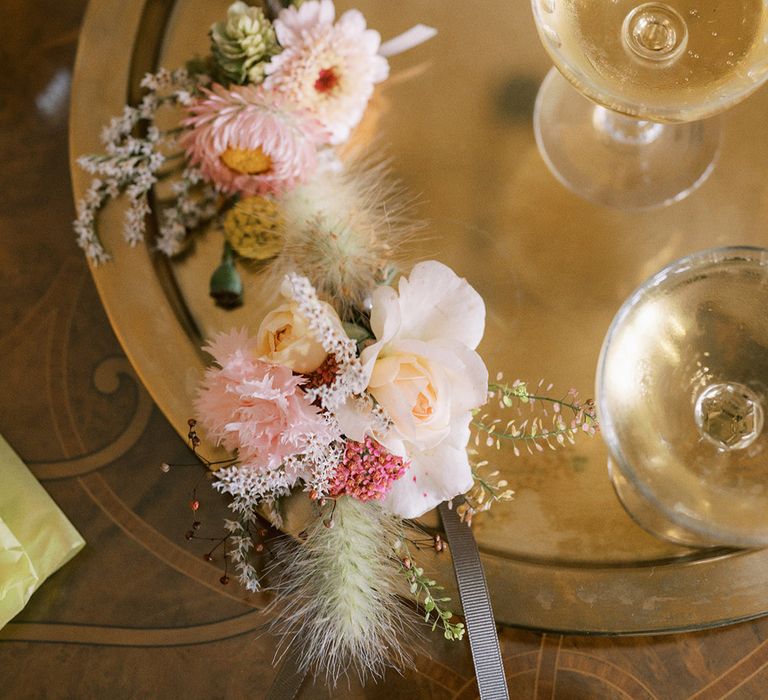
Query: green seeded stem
column 522, row 394
column 424, row 587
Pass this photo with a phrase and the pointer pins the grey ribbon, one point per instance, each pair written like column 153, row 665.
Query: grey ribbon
column 290, row 677
column 478, row 613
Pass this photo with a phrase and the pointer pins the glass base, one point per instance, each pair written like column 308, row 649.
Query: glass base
column 652, row 520
column 615, row 160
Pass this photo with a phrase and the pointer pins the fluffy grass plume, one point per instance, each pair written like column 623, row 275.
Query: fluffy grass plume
column 337, row 595
column 345, row 231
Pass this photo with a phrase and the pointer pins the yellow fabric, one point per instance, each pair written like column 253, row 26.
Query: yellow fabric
column 35, row 537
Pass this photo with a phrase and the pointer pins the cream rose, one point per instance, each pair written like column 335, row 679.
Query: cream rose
column 284, row 338
column 413, row 390
column 424, row 371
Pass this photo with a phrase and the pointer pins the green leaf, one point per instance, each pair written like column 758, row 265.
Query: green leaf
column 356, row 332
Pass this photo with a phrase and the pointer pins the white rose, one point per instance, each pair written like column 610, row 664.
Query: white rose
column 423, row 369
column 284, row 339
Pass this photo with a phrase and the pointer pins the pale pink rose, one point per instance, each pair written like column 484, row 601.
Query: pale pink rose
column 328, row 69
column 255, row 407
column 284, row 338
column 424, row 371
column 251, row 120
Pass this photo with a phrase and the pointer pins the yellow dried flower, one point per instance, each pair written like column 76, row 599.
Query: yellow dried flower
column 254, row 228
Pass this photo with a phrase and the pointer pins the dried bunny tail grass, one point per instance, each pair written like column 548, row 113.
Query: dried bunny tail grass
column 337, row 598
column 346, row 232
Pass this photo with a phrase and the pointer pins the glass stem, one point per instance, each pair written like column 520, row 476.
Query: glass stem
column 729, row 415
column 619, row 128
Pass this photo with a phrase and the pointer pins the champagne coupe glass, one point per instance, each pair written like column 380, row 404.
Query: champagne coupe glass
column 682, row 390
column 653, row 71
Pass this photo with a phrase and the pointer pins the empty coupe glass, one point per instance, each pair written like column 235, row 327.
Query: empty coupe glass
column 682, row 394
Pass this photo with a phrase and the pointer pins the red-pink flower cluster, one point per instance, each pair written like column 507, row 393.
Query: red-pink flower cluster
column 367, row 471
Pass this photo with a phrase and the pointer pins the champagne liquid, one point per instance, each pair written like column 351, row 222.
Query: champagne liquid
column 679, row 60
column 684, row 391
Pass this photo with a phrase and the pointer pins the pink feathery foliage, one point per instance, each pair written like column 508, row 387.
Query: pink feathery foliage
column 256, row 407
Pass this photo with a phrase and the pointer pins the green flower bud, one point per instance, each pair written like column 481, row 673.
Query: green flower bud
column 226, row 287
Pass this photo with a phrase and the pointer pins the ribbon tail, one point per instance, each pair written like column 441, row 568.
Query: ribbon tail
column 408, row 40
column 290, row 677
column 476, row 602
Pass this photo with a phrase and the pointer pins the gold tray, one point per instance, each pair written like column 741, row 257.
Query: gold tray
column 552, row 268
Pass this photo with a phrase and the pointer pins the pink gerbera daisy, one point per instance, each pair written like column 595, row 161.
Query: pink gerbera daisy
column 328, row 69
column 249, row 140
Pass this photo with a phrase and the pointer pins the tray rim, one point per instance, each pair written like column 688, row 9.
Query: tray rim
column 557, row 597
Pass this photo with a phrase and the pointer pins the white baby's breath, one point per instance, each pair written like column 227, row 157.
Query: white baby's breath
column 131, row 165
column 350, row 378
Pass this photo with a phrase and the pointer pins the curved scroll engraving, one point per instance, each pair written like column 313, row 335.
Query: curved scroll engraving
column 160, row 546
column 107, row 381
column 130, row 636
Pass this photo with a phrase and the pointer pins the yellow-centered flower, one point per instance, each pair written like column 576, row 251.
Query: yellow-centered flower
column 247, row 161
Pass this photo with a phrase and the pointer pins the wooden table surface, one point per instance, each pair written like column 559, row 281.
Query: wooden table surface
column 139, row 613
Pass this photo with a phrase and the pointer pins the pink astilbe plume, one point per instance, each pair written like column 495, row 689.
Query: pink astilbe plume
column 249, row 118
column 255, row 407
column 367, row 471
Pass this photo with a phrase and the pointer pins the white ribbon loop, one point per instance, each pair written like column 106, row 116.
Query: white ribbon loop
column 408, row 40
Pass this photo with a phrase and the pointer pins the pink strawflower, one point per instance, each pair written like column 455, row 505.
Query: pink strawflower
column 256, row 407
column 278, row 139
column 367, row 471
column 329, row 69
